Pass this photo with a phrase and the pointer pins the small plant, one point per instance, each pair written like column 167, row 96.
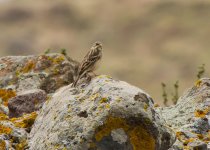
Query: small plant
column 63, row 51
column 47, row 51
column 201, row 71
column 165, row 96
column 176, row 93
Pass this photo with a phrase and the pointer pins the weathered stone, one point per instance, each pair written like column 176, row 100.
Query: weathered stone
column 190, row 117
column 26, row 102
column 4, row 109
column 48, row 72
column 106, row 114
column 197, row 145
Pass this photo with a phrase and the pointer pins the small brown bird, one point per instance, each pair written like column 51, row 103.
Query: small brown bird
column 89, row 63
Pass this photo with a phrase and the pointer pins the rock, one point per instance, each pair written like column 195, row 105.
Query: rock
column 190, row 117
column 13, row 134
column 4, row 109
column 105, row 114
column 26, row 102
column 47, row 72
column 198, row 145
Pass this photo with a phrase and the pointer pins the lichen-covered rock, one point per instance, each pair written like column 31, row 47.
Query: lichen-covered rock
column 26, row 102
column 190, row 117
column 48, row 72
column 105, row 114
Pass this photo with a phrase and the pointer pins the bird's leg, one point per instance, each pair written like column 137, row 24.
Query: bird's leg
column 90, row 76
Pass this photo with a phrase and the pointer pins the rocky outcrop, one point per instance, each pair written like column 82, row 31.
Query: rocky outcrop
column 103, row 114
column 106, row 114
column 190, row 117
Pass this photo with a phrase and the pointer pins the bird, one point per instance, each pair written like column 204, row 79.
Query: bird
column 89, row 63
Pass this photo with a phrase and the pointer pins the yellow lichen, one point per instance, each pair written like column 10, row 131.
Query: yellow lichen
column 201, row 113
column 156, row 105
column 5, row 95
column 186, row 148
column 104, row 100
column 138, row 136
column 3, row 117
column 28, row 67
column 21, row 145
column 2, row 144
column 145, row 107
column 198, row 83
column 92, row 145
column 58, row 59
column 185, row 142
column 141, row 139
column 25, row 121
column 111, row 124
column 5, row 129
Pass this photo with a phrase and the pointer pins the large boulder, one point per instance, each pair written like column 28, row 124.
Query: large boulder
column 190, row 117
column 105, row 114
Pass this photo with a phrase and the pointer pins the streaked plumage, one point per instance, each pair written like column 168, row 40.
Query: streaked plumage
column 89, row 62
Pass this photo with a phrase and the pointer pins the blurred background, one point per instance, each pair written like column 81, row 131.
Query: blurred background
column 145, row 42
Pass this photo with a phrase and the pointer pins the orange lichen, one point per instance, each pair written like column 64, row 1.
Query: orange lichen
column 107, row 106
column 200, row 136
column 28, row 67
column 3, row 117
column 138, row 136
column 201, row 113
column 5, row 95
column 25, row 121
column 92, row 145
column 5, row 129
column 94, row 96
column 186, row 148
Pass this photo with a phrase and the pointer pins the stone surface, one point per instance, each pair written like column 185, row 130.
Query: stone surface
column 106, row 114
column 48, row 72
column 190, row 117
column 26, row 102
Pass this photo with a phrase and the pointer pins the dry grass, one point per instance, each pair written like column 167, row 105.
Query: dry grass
column 145, row 42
